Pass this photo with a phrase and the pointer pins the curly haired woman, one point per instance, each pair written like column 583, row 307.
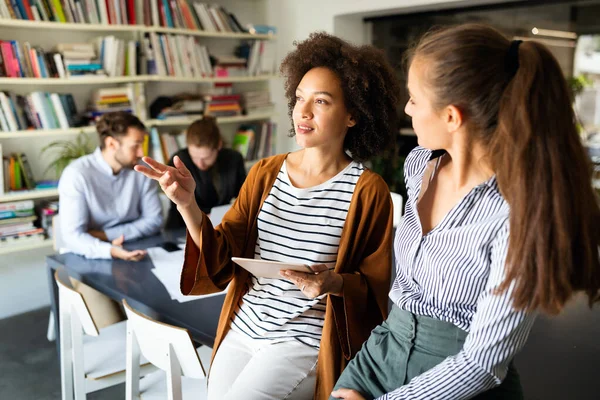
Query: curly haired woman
column 290, row 338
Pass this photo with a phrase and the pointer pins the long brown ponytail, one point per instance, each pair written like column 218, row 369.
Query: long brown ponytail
column 527, row 123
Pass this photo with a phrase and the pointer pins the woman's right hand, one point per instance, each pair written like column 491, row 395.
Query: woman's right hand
column 177, row 182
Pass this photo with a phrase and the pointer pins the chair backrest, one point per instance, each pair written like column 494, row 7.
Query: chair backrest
column 71, row 299
column 57, row 242
column 397, row 202
column 155, row 339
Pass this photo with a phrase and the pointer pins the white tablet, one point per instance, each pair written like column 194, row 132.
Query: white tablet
column 268, row 269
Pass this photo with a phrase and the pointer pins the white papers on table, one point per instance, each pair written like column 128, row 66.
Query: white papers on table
column 167, row 268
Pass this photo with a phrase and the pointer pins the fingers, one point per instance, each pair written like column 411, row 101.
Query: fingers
column 167, row 179
column 155, row 165
column 180, row 166
column 119, row 241
column 136, row 255
column 150, row 173
column 346, row 394
column 319, row 267
column 297, row 277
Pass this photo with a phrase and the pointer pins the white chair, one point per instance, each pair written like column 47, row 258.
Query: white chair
column 169, row 348
column 104, row 310
column 90, row 359
column 397, row 203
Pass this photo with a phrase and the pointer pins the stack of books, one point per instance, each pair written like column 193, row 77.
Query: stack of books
column 189, row 108
column 257, row 102
column 37, row 110
column 79, row 60
column 129, row 98
column 224, row 105
column 47, row 212
column 230, row 66
column 17, row 224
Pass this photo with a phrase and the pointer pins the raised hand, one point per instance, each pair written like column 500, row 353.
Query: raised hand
column 177, row 182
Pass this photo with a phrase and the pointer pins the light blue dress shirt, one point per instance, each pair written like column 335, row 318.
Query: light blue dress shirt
column 92, row 197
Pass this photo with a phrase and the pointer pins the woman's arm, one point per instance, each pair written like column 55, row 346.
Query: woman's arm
column 497, row 334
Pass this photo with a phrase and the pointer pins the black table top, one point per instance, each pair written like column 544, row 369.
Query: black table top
column 135, row 282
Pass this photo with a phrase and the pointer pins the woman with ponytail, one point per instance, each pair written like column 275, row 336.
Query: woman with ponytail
column 501, row 221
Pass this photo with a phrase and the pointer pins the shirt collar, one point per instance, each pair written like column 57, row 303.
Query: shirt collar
column 101, row 162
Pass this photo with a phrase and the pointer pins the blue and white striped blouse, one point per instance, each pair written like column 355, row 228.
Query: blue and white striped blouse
column 450, row 274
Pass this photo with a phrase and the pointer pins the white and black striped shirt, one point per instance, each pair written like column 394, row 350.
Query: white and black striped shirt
column 451, row 274
column 297, row 226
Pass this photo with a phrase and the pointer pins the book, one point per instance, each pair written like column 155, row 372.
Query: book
column 2, row 189
column 26, row 171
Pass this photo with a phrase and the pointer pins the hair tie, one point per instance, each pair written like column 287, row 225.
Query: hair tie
column 512, row 58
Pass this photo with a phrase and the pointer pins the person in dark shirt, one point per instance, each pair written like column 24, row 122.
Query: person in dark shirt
column 219, row 172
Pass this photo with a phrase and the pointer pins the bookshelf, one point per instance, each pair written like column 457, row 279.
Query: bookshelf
column 46, row 243
column 103, row 80
column 29, row 195
column 172, row 122
column 47, row 34
column 101, row 28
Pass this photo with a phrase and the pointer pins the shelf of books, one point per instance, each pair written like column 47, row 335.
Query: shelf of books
column 169, row 63
column 186, row 17
column 19, row 230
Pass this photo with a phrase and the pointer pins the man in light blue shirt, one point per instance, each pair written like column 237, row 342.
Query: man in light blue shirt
column 103, row 201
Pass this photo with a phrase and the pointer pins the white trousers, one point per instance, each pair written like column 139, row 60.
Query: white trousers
column 249, row 369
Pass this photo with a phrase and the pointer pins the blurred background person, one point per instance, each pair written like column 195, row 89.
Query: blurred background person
column 219, row 172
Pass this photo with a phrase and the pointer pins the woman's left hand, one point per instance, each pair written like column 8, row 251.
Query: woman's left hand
column 312, row 285
column 347, row 394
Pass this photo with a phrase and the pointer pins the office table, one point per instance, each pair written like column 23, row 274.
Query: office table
column 133, row 281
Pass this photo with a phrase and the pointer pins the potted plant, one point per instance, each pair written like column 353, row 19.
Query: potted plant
column 67, row 151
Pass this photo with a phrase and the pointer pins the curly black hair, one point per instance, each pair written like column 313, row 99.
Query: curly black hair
column 369, row 84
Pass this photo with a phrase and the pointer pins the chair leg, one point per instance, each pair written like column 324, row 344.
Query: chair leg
column 174, row 391
column 77, row 351
column 66, row 366
column 51, row 334
column 132, row 366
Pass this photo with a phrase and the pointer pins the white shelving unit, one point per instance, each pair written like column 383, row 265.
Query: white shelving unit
column 44, row 25
column 13, row 248
column 51, row 33
column 174, row 122
column 104, row 80
column 29, row 195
